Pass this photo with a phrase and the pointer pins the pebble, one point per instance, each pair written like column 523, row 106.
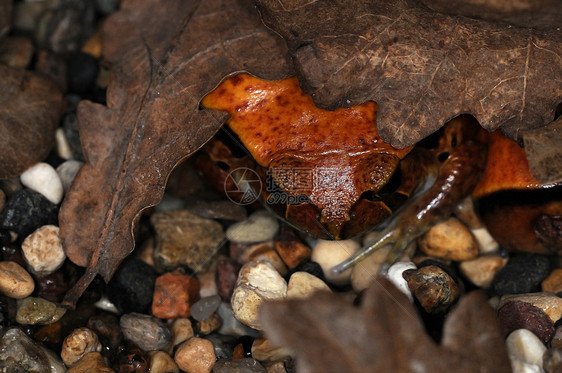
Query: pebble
column 145, row 331
column 450, row 240
column 91, row 362
column 52, row 287
column 434, row 288
column 523, row 346
column 263, row 351
column 205, row 307
column 132, row 287
column 330, row 253
column 521, row 315
column 292, row 251
column 70, row 128
column 77, row 344
column 245, row 365
column 209, row 325
column 486, row 243
column 131, row 359
column 394, row 275
column 196, row 355
column 208, row 282
column 182, row 330
column 43, row 251
column 19, row 353
column 553, row 283
column 259, row 227
column 67, row 171
column 231, row 326
column 549, row 303
column 162, row 362
column 43, row 178
column 302, row 285
column 174, row 293
column 226, row 276
column 105, row 304
column 481, row 271
column 32, row 310
column 521, row 274
column 106, row 326
column 62, row 146
column 15, row 281
column 365, row 272
column 184, row 239
column 265, row 251
column 27, row 210
column 223, row 345
column 257, row 282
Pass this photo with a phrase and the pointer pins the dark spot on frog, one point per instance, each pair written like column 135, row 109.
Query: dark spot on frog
column 235, row 80
column 242, row 107
column 249, row 89
column 258, row 135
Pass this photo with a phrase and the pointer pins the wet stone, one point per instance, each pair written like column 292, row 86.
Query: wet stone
column 26, row 211
column 78, row 343
column 15, row 281
column 146, row 331
column 70, row 128
column 451, row 240
column 223, row 345
column 522, row 274
column 196, row 355
column 239, row 366
column 481, row 271
column 91, row 362
column 43, row 251
column 131, row 359
column 67, row 171
column 182, row 330
column 396, row 275
column 19, row 353
column 520, row 315
column 331, row 253
column 303, row 285
column 226, row 276
column 132, row 286
column 259, row 227
column 52, row 287
column 205, row 307
column 549, row 303
column 43, row 178
column 33, row 311
column 184, row 239
column 524, row 347
column 162, row 362
column 292, row 251
column 553, row 283
column 174, row 293
column 433, row 288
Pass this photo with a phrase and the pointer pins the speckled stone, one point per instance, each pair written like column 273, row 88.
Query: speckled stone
column 303, row 285
column 331, row 253
column 205, row 307
column 91, row 362
column 146, row 331
column 174, row 293
column 450, row 240
column 33, row 310
column 78, row 343
column 522, row 274
column 523, row 346
column 549, row 303
column 433, row 288
column 481, row 271
column 18, row 353
column 209, row 325
column 43, row 250
column 231, row 326
column 15, row 281
column 259, row 227
column 521, row 315
column 132, row 287
column 43, row 178
column 184, row 239
column 239, row 366
column 182, row 330
column 27, row 210
column 196, row 355
column 162, row 362
column 553, row 283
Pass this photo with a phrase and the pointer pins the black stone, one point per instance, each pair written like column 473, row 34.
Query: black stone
column 70, row 129
column 82, row 70
column 522, row 274
column 132, row 286
column 26, row 211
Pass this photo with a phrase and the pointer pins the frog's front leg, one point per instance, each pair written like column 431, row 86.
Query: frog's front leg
column 454, row 179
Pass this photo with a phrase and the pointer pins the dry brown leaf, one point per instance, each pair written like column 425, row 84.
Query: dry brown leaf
column 30, row 109
column 164, row 57
column 421, row 67
column 384, row 334
column 544, row 152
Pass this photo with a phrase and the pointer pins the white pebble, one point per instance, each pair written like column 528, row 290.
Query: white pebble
column 518, row 366
column 43, row 251
column 524, row 346
column 62, row 145
column 43, row 178
column 67, row 171
column 303, row 285
column 259, row 227
column 485, row 241
column 331, row 253
column 394, row 274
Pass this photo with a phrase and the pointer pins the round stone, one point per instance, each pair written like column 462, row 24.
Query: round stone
column 27, row 210
column 549, row 303
column 524, row 346
column 522, row 274
column 259, row 227
column 67, row 171
column 77, row 344
column 15, row 281
column 303, row 285
column 43, row 178
column 205, row 307
column 162, row 362
column 521, row 315
column 43, row 251
column 450, row 240
column 331, row 253
column 32, row 310
column 481, row 271
column 145, row 331
column 196, row 355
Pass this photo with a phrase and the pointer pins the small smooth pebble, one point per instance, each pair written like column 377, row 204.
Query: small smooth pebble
column 264, row 251
column 52, row 287
column 450, row 240
column 62, row 145
column 486, row 242
column 259, row 227
column 394, row 275
column 106, row 326
column 162, row 362
column 146, row 331
column 43, row 178
column 91, row 362
column 245, row 365
column 524, row 346
column 549, row 303
column 257, row 282
column 331, row 253
column 553, row 283
column 105, row 304
column 293, row 252
column 231, row 326
column 205, row 307
column 521, row 315
column 366, row 271
column 32, row 310
column 67, row 171
column 196, row 355
column 43, row 250
column 27, row 210
column 182, row 330
column 302, row 285
column 223, row 345
column 433, row 288
column 209, row 325
column 481, row 271
column 522, row 274
column 77, row 344
column 15, row 281
column 263, row 351
column 174, row 293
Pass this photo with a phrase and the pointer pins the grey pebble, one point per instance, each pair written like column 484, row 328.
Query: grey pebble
column 145, row 331
column 67, row 171
column 205, row 307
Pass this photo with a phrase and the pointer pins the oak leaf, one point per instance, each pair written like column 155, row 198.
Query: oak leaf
column 164, row 57
column 384, row 334
column 420, row 66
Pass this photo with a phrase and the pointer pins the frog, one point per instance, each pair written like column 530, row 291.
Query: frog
column 342, row 178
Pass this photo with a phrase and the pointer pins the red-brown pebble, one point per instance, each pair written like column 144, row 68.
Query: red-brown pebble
column 521, row 315
column 293, row 253
column 227, row 273
column 174, row 293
